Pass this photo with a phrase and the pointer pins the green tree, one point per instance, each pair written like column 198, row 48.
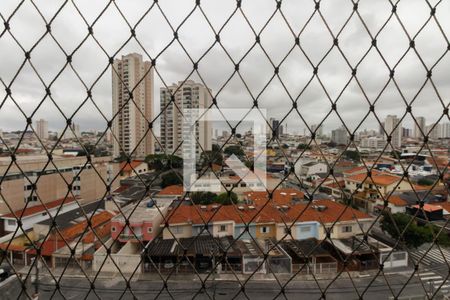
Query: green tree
column 414, row 235
column 213, row 157
column 163, row 162
column 226, row 199
column 425, row 181
column 353, row 155
column 171, row 178
column 303, row 146
column 234, row 149
column 203, row 198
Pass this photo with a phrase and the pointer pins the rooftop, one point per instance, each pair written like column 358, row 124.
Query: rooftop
column 36, row 209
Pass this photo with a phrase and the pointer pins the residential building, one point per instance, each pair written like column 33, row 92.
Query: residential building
column 445, row 130
column 72, row 132
column 419, row 128
column 275, row 129
column 132, row 115
column 144, row 220
column 367, row 190
column 289, row 221
column 372, row 142
column 318, row 129
column 42, row 129
column 393, row 128
column 185, row 95
column 312, row 168
column 134, row 168
column 340, row 136
column 45, row 183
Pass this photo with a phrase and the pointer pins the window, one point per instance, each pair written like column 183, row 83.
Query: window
column 330, row 229
column 399, row 256
column 347, row 228
column 12, row 222
column 176, row 229
column 265, row 229
column 223, row 228
column 149, row 229
column 28, row 187
column 305, row 229
column 113, row 229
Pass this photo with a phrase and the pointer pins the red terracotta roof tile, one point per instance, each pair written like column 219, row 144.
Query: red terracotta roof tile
column 172, row 190
column 39, row 208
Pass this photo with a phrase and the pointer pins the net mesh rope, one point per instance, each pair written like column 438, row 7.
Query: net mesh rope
column 43, row 275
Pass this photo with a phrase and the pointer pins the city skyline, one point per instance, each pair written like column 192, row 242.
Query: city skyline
column 173, row 66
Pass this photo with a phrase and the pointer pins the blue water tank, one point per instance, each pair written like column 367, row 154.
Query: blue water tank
column 150, row 204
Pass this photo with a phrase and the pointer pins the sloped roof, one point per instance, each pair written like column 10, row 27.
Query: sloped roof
column 32, row 210
column 378, row 178
column 172, row 190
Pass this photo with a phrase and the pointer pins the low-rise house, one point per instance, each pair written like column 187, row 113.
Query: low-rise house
column 315, row 219
column 312, row 168
column 367, row 189
column 133, row 168
column 358, row 254
column 299, row 221
column 144, row 221
column 310, row 257
column 36, row 213
column 395, row 204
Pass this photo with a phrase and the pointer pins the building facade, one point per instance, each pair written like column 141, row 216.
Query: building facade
column 131, row 75
column 419, row 127
column 393, row 127
column 42, row 129
column 187, row 95
column 339, row 136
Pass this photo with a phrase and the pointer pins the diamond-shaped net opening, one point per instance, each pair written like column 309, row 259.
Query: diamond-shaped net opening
column 224, row 149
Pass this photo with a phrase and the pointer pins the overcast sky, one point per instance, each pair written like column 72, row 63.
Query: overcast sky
column 215, row 68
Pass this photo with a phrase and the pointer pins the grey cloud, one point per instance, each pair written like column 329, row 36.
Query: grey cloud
column 215, row 68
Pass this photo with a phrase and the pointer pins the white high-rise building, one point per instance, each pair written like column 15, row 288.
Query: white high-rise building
column 434, row 130
column 72, row 131
column 318, row 129
column 445, row 131
column 420, row 125
column 42, row 129
column 132, row 116
column 189, row 95
column 393, row 127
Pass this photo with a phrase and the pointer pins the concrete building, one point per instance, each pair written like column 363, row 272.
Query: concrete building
column 42, row 129
column 187, row 95
column 312, row 168
column 144, row 221
column 393, row 127
column 445, row 131
column 373, row 142
column 72, row 131
column 88, row 184
column 132, row 116
column 317, row 129
column 340, row 136
column 419, row 127
column 433, row 130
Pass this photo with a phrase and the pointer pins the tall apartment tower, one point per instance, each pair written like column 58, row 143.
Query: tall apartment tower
column 189, row 95
column 340, row 136
column 419, row 126
column 393, row 127
column 131, row 123
column 42, row 129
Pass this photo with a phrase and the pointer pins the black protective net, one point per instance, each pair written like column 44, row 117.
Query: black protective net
column 359, row 211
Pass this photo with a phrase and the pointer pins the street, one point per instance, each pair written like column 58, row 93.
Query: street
column 343, row 288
